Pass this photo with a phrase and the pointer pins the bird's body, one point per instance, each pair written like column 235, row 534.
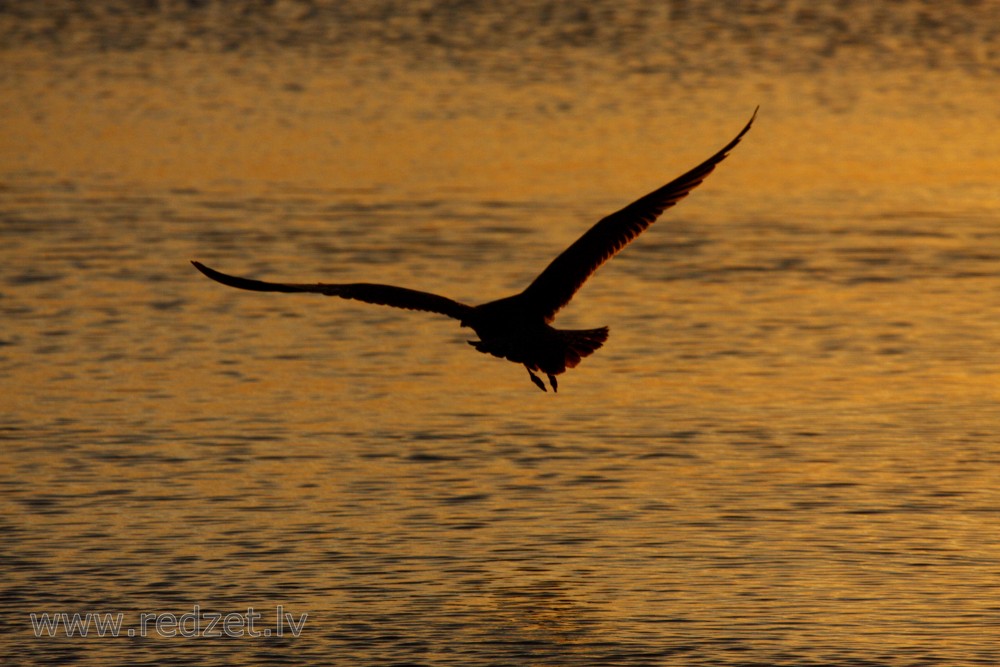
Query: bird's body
column 517, row 328
column 508, row 330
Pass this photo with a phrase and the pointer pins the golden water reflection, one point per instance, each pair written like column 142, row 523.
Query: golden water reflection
column 785, row 449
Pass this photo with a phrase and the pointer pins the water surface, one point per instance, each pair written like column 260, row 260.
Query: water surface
column 785, row 454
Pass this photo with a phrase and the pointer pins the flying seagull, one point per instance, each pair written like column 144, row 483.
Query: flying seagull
column 516, row 327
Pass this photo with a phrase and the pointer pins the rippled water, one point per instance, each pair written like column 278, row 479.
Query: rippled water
column 786, row 453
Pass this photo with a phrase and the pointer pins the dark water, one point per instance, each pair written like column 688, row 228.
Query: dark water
column 786, row 453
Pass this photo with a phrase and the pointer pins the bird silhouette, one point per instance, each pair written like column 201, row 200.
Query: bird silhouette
column 516, row 327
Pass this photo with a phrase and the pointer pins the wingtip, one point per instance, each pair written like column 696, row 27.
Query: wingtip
column 201, row 267
column 746, row 128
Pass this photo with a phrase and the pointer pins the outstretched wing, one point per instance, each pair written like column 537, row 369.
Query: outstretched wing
column 383, row 295
column 557, row 284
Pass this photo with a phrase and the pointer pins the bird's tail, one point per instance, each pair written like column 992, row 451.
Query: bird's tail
column 581, row 343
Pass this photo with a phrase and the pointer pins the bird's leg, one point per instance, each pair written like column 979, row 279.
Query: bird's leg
column 553, row 382
column 538, row 382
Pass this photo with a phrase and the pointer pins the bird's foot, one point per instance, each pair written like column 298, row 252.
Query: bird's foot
column 553, row 382
column 537, row 380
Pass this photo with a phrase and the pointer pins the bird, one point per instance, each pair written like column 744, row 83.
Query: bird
column 518, row 327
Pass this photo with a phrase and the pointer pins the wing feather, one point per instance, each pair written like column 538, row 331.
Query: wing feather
column 383, row 295
column 557, row 284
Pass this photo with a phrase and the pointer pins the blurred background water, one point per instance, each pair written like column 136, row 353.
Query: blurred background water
column 786, row 453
